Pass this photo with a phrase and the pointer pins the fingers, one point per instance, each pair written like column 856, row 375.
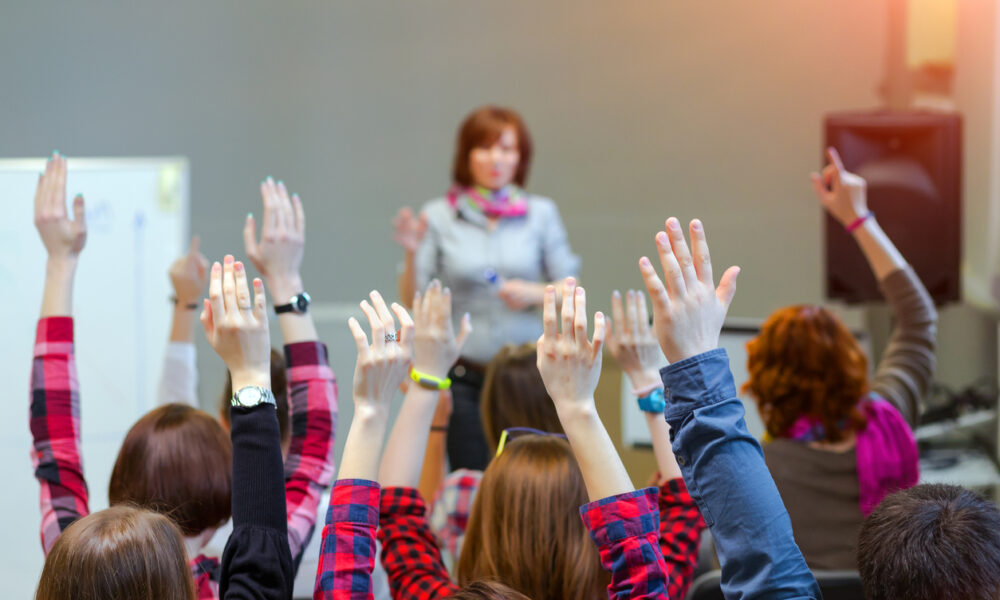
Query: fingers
column 549, row 327
column 580, row 318
column 259, row 301
column 631, row 324
column 406, row 326
column 657, row 291
column 58, row 191
column 285, row 209
column 818, row 185
column 193, row 247
column 835, row 168
column 680, row 249
column 300, row 215
column 377, row 327
column 464, row 330
column 250, row 237
column 360, row 340
column 243, row 302
column 229, row 286
column 834, row 156
column 569, row 290
column 700, row 255
column 443, row 312
column 418, row 310
column 218, row 306
column 269, row 227
column 727, row 286
column 383, row 312
column 431, row 303
column 618, row 312
column 671, row 268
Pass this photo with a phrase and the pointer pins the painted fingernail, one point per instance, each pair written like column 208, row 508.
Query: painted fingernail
column 696, row 225
column 579, row 291
column 281, row 183
column 238, row 266
column 270, row 179
column 228, row 259
column 55, row 153
column 673, row 224
column 249, row 215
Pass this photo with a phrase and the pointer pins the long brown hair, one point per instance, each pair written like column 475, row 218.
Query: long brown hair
column 514, row 395
column 525, row 528
column 481, row 129
column 487, row 590
column 806, row 362
column 121, row 553
column 178, row 461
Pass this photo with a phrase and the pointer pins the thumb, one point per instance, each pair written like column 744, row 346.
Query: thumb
column 250, row 237
column 817, row 182
column 727, row 286
column 80, row 213
column 464, row 330
column 207, row 322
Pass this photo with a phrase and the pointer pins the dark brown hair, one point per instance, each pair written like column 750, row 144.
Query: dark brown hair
column 178, row 461
column 525, row 528
column 487, row 590
column 121, row 553
column 514, row 395
column 806, row 362
column 931, row 541
column 481, row 129
column 279, row 387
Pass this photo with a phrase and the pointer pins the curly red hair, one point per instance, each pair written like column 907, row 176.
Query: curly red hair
column 806, row 362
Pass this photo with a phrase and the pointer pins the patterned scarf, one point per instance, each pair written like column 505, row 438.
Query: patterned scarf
column 887, row 456
column 508, row 201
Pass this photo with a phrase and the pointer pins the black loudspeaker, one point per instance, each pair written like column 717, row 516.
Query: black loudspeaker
column 912, row 162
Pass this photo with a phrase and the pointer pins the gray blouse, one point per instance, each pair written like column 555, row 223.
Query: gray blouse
column 462, row 251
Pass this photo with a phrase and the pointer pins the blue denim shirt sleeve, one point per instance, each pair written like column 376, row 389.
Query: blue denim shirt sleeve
column 723, row 467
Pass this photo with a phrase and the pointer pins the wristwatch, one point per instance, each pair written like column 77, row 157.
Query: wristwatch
column 252, row 396
column 297, row 304
column 653, row 402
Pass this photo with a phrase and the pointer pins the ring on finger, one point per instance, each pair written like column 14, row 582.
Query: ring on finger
column 391, row 337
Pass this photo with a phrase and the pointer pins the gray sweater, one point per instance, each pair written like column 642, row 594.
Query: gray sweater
column 820, row 487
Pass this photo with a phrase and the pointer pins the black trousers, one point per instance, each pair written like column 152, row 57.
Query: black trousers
column 466, row 442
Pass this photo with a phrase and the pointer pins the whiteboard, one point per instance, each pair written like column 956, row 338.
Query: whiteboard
column 735, row 335
column 137, row 220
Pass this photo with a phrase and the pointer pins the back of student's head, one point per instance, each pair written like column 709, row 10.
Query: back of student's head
column 178, row 461
column 487, row 590
column 121, row 553
column 525, row 528
column 931, row 542
column 514, row 396
column 279, row 387
column 806, row 362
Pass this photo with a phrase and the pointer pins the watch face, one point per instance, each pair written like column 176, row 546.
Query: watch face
column 249, row 396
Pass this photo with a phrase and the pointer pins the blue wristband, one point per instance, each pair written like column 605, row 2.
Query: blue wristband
column 653, row 403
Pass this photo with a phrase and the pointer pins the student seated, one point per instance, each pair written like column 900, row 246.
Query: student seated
column 127, row 552
column 621, row 521
column 838, row 443
column 931, row 542
column 175, row 460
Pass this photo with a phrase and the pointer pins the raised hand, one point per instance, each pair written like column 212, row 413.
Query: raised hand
column 64, row 238
column 189, row 275
column 518, row 294
column 385, row 362
column 569, row 362
column 842, row 193
column 236, row 325
column 408, row 229
column 435, row 345
column 631, row 341
column 688, row 312
column 278, row 254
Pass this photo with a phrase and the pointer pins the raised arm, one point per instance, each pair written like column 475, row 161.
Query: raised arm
column 256, row 562
column 179, row 379
column 634, row 346
column 55, row 397
column 722, row 464
column 409, row 230
column 904, row 372
column 347, row 553
column 312, row 392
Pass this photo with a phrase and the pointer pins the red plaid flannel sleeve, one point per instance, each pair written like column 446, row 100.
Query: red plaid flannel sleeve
column 309, row 466
column 625, row 529
column 55, row 429
column 410, row 554
column 680, row 533
column 347, row 554
column 452, row 508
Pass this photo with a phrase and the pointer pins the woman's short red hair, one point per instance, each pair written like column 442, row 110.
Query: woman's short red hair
column 806, row 362
column 481, row 129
